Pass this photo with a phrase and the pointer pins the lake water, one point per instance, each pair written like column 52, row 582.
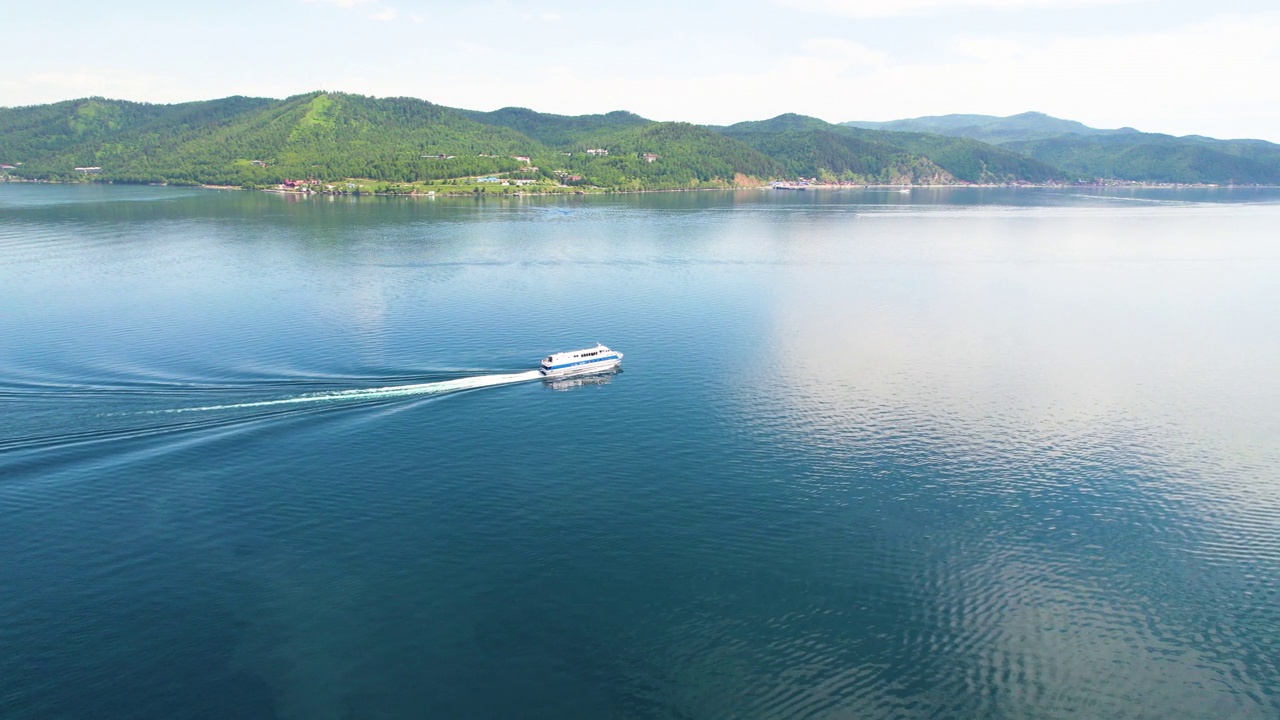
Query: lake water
column 970, row 453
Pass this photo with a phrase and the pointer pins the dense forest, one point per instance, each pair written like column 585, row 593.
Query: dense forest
column 810, row 147
column 1083, row 152
column 405, row 142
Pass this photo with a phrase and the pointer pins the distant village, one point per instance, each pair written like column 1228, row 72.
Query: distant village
column 566, row 180
column 307, row 185
column 563, row 178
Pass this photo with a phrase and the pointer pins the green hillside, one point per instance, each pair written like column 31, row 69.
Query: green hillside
column 1087, row 153
column 971, row 160
column 835, row 156
column 687, row 156
column 682, row 155
column 66, row 124
column 813, row 148
column 989, row 128
column 557, row 130
column 1155, row 158
column 329, row 135
column 333, row 137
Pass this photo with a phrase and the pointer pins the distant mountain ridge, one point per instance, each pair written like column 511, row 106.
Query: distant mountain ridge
column 1086, row 152
column 811, row 147
column 329, row 137
column 989, row 128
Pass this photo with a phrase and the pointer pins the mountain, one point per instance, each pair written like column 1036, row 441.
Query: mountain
column 557, row 130
column 338, row 136
column 1158, row 158
column 251, row 141
column 810, row 147
column 332, row 136
column 988, row 128
column 335, row 136
column 77, row 125
column 687, row 155
column 1087, row 153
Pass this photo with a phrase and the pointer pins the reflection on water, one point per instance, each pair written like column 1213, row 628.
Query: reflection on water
column 581, row 381
column 1041, row 396
column 976, row 453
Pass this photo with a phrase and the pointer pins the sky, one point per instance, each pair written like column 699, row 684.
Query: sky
column 1172, row 66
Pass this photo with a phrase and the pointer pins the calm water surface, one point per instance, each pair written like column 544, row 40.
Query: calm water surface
column 970, row 453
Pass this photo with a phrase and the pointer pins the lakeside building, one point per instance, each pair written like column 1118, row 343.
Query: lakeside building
column 650, row 157
column 94, row 170
column 597, row 151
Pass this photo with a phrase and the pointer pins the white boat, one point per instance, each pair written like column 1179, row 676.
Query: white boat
column 581, row 362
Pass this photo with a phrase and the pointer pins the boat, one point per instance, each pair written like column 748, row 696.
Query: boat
column 580, row 362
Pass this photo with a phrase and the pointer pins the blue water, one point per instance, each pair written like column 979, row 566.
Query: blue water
column 981, row 453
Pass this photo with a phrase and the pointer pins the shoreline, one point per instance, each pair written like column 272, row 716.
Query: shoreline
column 568, row 191
column 811, row 188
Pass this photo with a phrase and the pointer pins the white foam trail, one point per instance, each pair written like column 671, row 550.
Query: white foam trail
column 431, row 388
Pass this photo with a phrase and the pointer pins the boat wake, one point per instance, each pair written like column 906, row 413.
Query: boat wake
column 376, row 393
column 259, row 411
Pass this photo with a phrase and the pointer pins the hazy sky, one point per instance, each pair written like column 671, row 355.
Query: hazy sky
column 1175, row 66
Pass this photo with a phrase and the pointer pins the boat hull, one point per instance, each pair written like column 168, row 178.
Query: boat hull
column 583, row 369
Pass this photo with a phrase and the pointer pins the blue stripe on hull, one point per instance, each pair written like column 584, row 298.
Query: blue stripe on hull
column 579, row 363
column 593, row 365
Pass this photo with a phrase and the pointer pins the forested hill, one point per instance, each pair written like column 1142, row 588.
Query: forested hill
column 811, row 147
column 325, row 135
column 558, row 130
column 336, row 136
column 989, row 128
column 1086, row 152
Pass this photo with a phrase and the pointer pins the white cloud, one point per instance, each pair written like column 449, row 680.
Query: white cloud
column 1214, row 77
column 474, row 48
column 339, row 3
column 896, row 8
column 1171, row 81
column 85, row 82
column 991, row 49
column 387, row 14
column 837, row 54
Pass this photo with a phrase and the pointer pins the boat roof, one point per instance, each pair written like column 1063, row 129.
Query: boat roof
column 597, row 347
